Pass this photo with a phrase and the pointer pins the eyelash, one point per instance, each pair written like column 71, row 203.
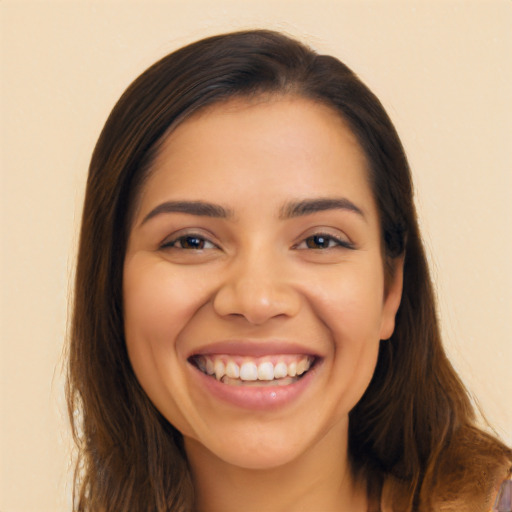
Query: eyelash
column 201, row 241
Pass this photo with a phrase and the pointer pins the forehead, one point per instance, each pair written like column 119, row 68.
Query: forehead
column 293, row 123
column 267, row 146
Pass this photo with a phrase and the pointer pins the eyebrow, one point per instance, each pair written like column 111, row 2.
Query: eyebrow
column 309, row 206
column 199, row 208
column 288, row 211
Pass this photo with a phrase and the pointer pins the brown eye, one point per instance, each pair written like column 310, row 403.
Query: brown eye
column 323, row 241
column 189, row 242
column 320, row 242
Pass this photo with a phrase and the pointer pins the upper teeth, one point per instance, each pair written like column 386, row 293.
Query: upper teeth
column 252, row 370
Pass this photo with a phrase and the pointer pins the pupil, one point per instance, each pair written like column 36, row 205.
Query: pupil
column 191, row 242
column 318, row 241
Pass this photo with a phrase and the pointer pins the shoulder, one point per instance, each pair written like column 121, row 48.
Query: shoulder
column 497, row 492
column 503, row 501
column 468, row 474
column 465, row 477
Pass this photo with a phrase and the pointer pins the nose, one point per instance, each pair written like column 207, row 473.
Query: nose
column 256, row 288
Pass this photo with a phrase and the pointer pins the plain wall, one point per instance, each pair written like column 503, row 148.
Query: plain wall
column 443, row 70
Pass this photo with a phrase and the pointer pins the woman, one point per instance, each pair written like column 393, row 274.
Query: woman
column 254, row 323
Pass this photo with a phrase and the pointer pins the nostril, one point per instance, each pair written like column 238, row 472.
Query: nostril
column 256, row 301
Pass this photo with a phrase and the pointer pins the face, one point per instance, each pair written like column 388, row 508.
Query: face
column 254, row 290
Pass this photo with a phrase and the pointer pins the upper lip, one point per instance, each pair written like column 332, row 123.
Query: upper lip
column 254, row 348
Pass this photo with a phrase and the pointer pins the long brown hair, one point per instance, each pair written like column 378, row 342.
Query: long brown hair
column 414, row 425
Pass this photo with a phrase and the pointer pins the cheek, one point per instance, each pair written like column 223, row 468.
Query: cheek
column 350, row 305
column 350, row 302
column 157, row 306
column 159, row 302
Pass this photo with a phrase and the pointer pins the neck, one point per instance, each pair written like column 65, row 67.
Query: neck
column 319, row 479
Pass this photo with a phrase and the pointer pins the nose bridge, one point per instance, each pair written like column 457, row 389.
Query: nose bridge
column 256, row 287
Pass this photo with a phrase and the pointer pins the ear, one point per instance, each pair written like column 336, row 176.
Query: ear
column 392, row 297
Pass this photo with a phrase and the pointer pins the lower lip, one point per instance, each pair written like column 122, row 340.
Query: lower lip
column 254, row 397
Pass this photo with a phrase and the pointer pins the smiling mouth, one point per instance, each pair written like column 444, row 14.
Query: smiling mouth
column 246, row 371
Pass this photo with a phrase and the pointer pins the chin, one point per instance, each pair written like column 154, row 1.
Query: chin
column 251, row 456
column 263, row 446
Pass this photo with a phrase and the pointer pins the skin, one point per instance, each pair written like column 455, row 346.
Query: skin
column 259, row 276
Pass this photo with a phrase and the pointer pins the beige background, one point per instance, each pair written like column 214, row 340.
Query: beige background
column 442, row 68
